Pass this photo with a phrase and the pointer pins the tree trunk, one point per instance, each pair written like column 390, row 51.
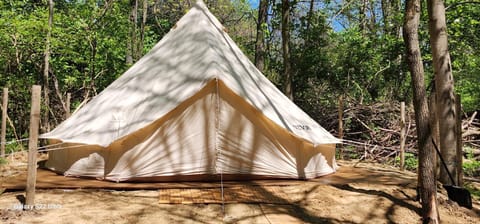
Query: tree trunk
column 132, row 40
column 46, row 69
column 398, row 7
column 458, row 128
column 432, row 105
column 444, row 87
column 389, row 8
column 59, row 93
column 141, row 43
column 93, row 55
column 386, row 13
column 260, row 41
column 426, row 175
column 373, row 16
column 363, row 16
column 310, row 14
column 287, row 70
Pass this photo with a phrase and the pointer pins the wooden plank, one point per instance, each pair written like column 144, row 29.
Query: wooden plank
column 32, row 147
column 4, row 122
column 232, row 195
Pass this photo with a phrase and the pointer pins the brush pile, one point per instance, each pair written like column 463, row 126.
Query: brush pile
column 373, row 131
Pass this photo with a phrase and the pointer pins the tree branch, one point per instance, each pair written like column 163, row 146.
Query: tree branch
column 461, row 3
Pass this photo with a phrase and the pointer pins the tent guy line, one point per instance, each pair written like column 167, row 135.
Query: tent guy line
column 14, row 141
column 355, row 143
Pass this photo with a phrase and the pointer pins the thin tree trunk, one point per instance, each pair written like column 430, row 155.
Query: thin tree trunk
column 59, row 93
column 340, row 124
column 134, row 31
column 426, row 172
column 260, row 41
column 458, row 128
column 142, row 29
column 128, row 55
column 444, row 87
column 287, row 70
column 68, row 105
column 46, row 69
column 389, row 9
column 363, row 16
column 310, row 14
column 93, row 55
column 398, row 6
column 373, row 16
column 3, row 132
column 434, row 128
column 386, row 13
column 132, row 40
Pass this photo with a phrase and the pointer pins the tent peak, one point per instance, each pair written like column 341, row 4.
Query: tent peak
column 178, row 66
column 200, row 3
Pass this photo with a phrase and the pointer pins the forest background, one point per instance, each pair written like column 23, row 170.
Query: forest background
column 338, row 49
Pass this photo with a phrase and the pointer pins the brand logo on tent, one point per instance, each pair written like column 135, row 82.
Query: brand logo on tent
column 302, row 127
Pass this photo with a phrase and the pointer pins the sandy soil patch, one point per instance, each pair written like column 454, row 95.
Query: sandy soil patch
column 361, row 201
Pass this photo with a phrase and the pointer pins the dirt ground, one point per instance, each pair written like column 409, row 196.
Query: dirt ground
column 340, row 200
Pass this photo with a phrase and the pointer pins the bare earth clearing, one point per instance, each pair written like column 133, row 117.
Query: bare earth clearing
column 358, row 193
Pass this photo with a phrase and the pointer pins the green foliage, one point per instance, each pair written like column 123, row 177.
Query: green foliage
column 372, row 71
column 471, row 167
column 348, row 152
column 411, row 161
column 14, row 147
column 240, row 23
column 3, row 161
column 89, row 44
column 474, row 191
column 463, row 23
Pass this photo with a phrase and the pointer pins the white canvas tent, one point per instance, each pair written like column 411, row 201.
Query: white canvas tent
column 192, row 108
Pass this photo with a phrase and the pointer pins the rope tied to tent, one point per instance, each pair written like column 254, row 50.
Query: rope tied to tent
column 55, row 147
column 14, row 141
column 19, row 141
column 50, row 148
column 355, row 143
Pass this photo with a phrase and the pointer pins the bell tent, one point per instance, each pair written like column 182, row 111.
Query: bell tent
column 193, row 108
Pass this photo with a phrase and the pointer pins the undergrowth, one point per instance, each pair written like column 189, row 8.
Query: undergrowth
column 475, row 192
column 471, row 166
column 3, row 161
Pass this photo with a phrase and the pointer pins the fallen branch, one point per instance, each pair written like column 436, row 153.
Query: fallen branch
column 470, row 133
column 470, row 121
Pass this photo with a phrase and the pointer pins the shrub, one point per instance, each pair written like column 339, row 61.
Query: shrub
column 411, row 161
column 471, row 167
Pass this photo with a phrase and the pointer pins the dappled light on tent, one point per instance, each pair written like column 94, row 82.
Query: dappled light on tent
column 194, row 105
